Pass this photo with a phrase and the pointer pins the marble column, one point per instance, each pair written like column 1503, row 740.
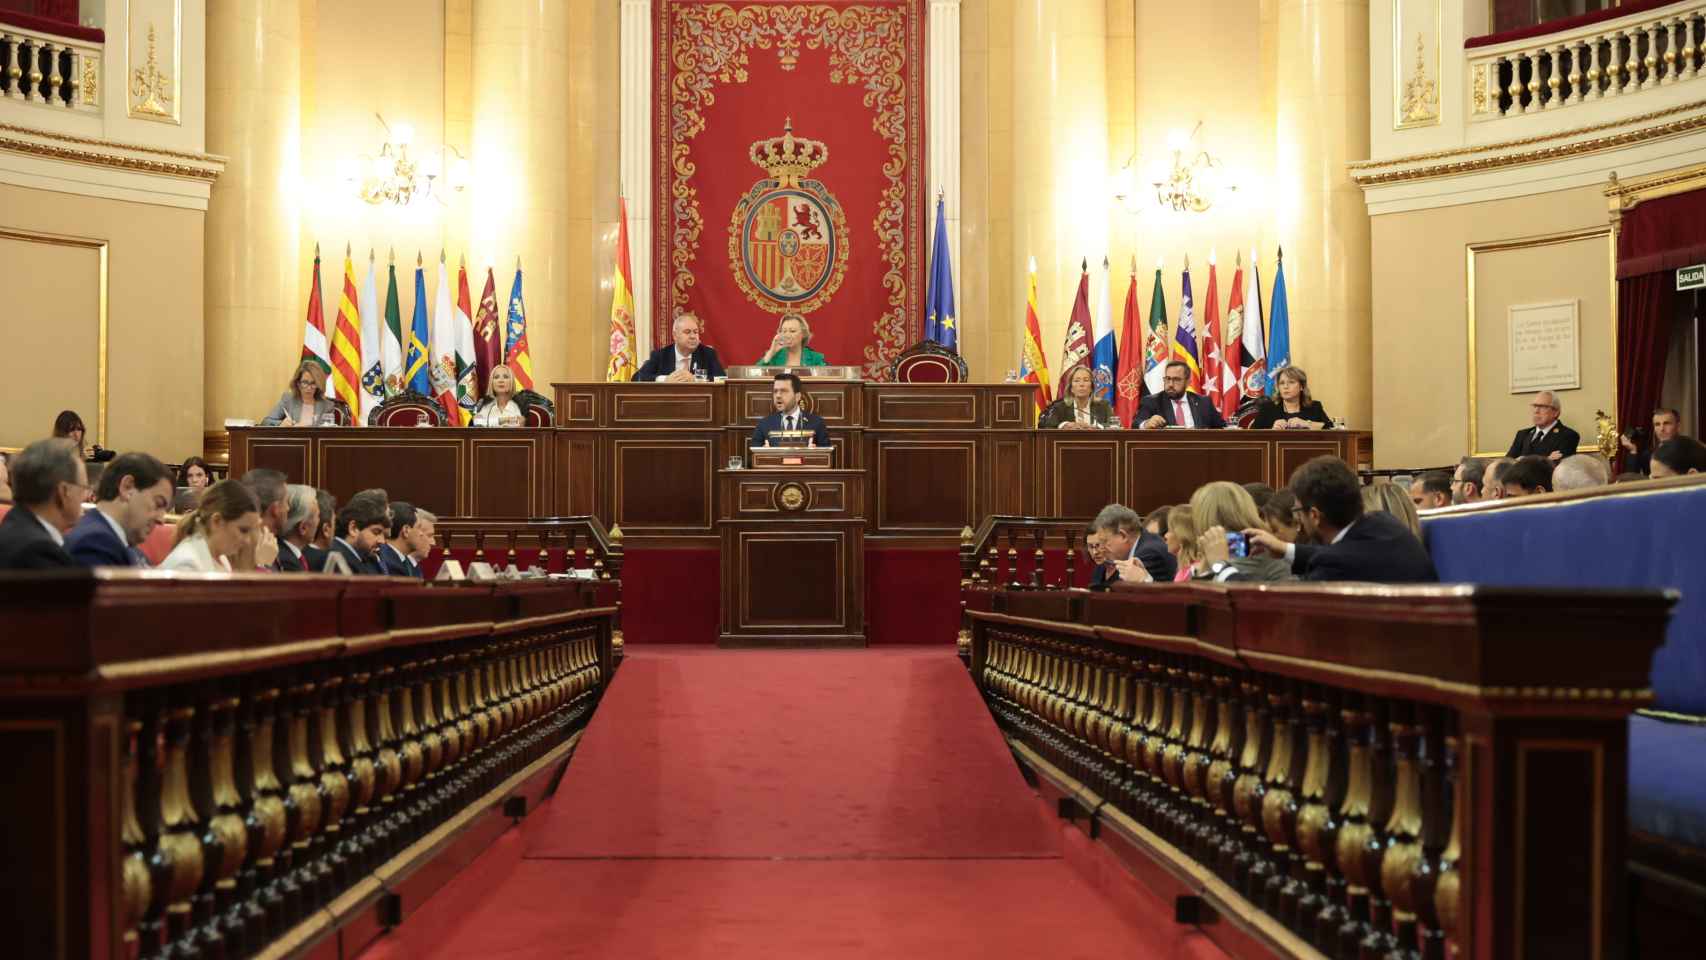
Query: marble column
column 253, row 323
column 1321, row 124
column 942, row 132
column 519, row 183
column 1060, row 149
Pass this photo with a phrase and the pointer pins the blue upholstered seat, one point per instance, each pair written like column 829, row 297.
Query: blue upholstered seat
column 1637, row 536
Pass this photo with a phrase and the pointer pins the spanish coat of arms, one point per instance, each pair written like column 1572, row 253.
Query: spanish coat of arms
column 788, row 237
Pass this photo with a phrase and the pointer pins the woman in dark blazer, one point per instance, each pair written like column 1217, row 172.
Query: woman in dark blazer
column 1077, row 410
column 1293, row 409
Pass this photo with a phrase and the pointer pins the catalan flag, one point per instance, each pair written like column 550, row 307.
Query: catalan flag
column 517, row 356
column 346, row 341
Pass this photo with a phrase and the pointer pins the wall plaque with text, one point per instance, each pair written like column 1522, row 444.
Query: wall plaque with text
column 1545, row 346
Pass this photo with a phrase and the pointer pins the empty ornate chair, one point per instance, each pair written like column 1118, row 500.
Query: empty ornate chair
column 541, row 412
column 341, row 413
column 929, row 362
column 407, row 409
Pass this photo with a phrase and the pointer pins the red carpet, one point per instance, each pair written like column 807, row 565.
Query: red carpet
column 792, row 804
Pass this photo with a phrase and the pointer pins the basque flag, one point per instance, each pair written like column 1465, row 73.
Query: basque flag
column 939, row 324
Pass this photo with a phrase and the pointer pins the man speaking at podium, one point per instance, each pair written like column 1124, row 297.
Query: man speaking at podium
column 785, row 393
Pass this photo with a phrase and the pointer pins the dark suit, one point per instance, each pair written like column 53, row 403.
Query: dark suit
column 315, row 556
column 1062, row 411
column 1558, row 439
column 92, row 543
column 25, row 544
column 395, row 564
column 1272, row 412
column 1151, row 551
column 1159, row 404
column 808, row 421
column 662, row 363
column 1377, row 548
column 357, row 563
column 290, row 560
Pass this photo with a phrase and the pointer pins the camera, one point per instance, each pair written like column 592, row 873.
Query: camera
column 1237, row 544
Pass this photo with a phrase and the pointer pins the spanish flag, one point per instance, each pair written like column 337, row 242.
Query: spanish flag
column 1034, row 369
column 346, row 342
column 622, row 360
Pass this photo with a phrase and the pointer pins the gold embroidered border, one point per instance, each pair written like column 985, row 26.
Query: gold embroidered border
column 870, row 47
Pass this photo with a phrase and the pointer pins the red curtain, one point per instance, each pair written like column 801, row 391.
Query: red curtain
column 1654, row 239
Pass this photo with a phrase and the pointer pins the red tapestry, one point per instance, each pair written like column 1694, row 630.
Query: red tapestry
column 790, row 174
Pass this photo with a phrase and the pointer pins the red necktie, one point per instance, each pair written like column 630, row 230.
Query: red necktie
column 302, row 558
column 1179, row 412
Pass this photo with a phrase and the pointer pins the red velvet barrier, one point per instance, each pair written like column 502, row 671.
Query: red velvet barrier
column 60, row 24
column 1662, row 234
column 1509, row 11
column 1653, row 240
column 670, row 596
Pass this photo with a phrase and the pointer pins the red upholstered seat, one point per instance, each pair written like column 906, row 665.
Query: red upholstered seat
column 540, row 410
column 159, row 543
column 930, row 362
column 1246, row 418
column 406, row 410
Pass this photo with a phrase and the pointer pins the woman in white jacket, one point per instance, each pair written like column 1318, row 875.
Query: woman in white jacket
column 222, row 525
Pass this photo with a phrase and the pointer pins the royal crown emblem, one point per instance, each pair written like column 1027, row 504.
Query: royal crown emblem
column 788, row 238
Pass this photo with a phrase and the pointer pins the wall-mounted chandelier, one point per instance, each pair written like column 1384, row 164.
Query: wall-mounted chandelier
column 392, row 176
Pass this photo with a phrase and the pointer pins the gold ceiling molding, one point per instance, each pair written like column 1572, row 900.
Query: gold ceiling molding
column 1624, row 195
column 1526, row 141
column 211, row 158
column 55, row 146
column 1559, row 152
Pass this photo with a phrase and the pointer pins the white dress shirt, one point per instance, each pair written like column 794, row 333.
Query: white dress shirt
column 492, row 415
column 683, row 361
column 1291, row 548
column 52, row 531
column 193, row 555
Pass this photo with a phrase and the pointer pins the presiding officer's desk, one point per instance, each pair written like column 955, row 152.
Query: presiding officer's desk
column 937, row 458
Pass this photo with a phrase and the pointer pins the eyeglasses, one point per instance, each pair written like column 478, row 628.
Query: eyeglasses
column 1166, row 379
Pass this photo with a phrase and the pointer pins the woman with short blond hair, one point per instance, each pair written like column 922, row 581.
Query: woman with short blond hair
column 1181, row 537
column 1384, row 496
column 1224, row 509
column 788, row 347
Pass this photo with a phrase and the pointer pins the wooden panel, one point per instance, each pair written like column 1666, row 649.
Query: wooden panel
column 577, row 407
column 827, row 496
column 501, row 481
column 756, row 496
column 1008, row 488
column 1009, row 410
column 1159, row 473
column 772, row 597
column 659, row 405
column 934, row 408
column 1083, row 475
column 1291, row 454
column 579, row 479
column 426, row 472
column 663, row 483
column 291, row 455
column 926, row 485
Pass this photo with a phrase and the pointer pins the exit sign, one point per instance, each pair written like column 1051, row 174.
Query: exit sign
column 1691, row 278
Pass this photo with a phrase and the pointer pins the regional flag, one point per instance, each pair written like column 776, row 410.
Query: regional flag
column 1255, row 340
column 373, row 373
column 467, row 376
column 1185, row 334
column 1034, row 368
column 488, row 335
column 1279, row 341
column 346, row 341
column 1104, row 353
column 939, row 323
column 1130, row 383
column 314, row 329
column 1213, row 371
column 1155, row 344
column 441, row 357
column 1232, row 345
column 1076, row 351
column 392, row 348
column 623, row 361
column 417, row 356
column 517, row 356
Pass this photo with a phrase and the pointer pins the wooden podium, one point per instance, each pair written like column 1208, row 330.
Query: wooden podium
column 793, row 552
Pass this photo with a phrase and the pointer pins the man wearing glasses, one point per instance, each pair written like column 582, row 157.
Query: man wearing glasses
column 1547, row 438
column 1175, row 406
column 49, row 484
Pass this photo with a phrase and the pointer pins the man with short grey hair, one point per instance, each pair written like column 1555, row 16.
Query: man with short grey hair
column 301, row 525
column 49, row 483
column 685, row 360
column 1580, row 472
column 1137, row 555
column 1548, row 437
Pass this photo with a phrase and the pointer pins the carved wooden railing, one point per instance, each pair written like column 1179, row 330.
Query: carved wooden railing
column 1356, row 771
column 554, row 544
column 221, row 766
column 1594, row 61
column 1021, row 564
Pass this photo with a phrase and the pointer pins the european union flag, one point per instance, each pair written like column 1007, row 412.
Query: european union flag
column 415, row 368
column 939, row 323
